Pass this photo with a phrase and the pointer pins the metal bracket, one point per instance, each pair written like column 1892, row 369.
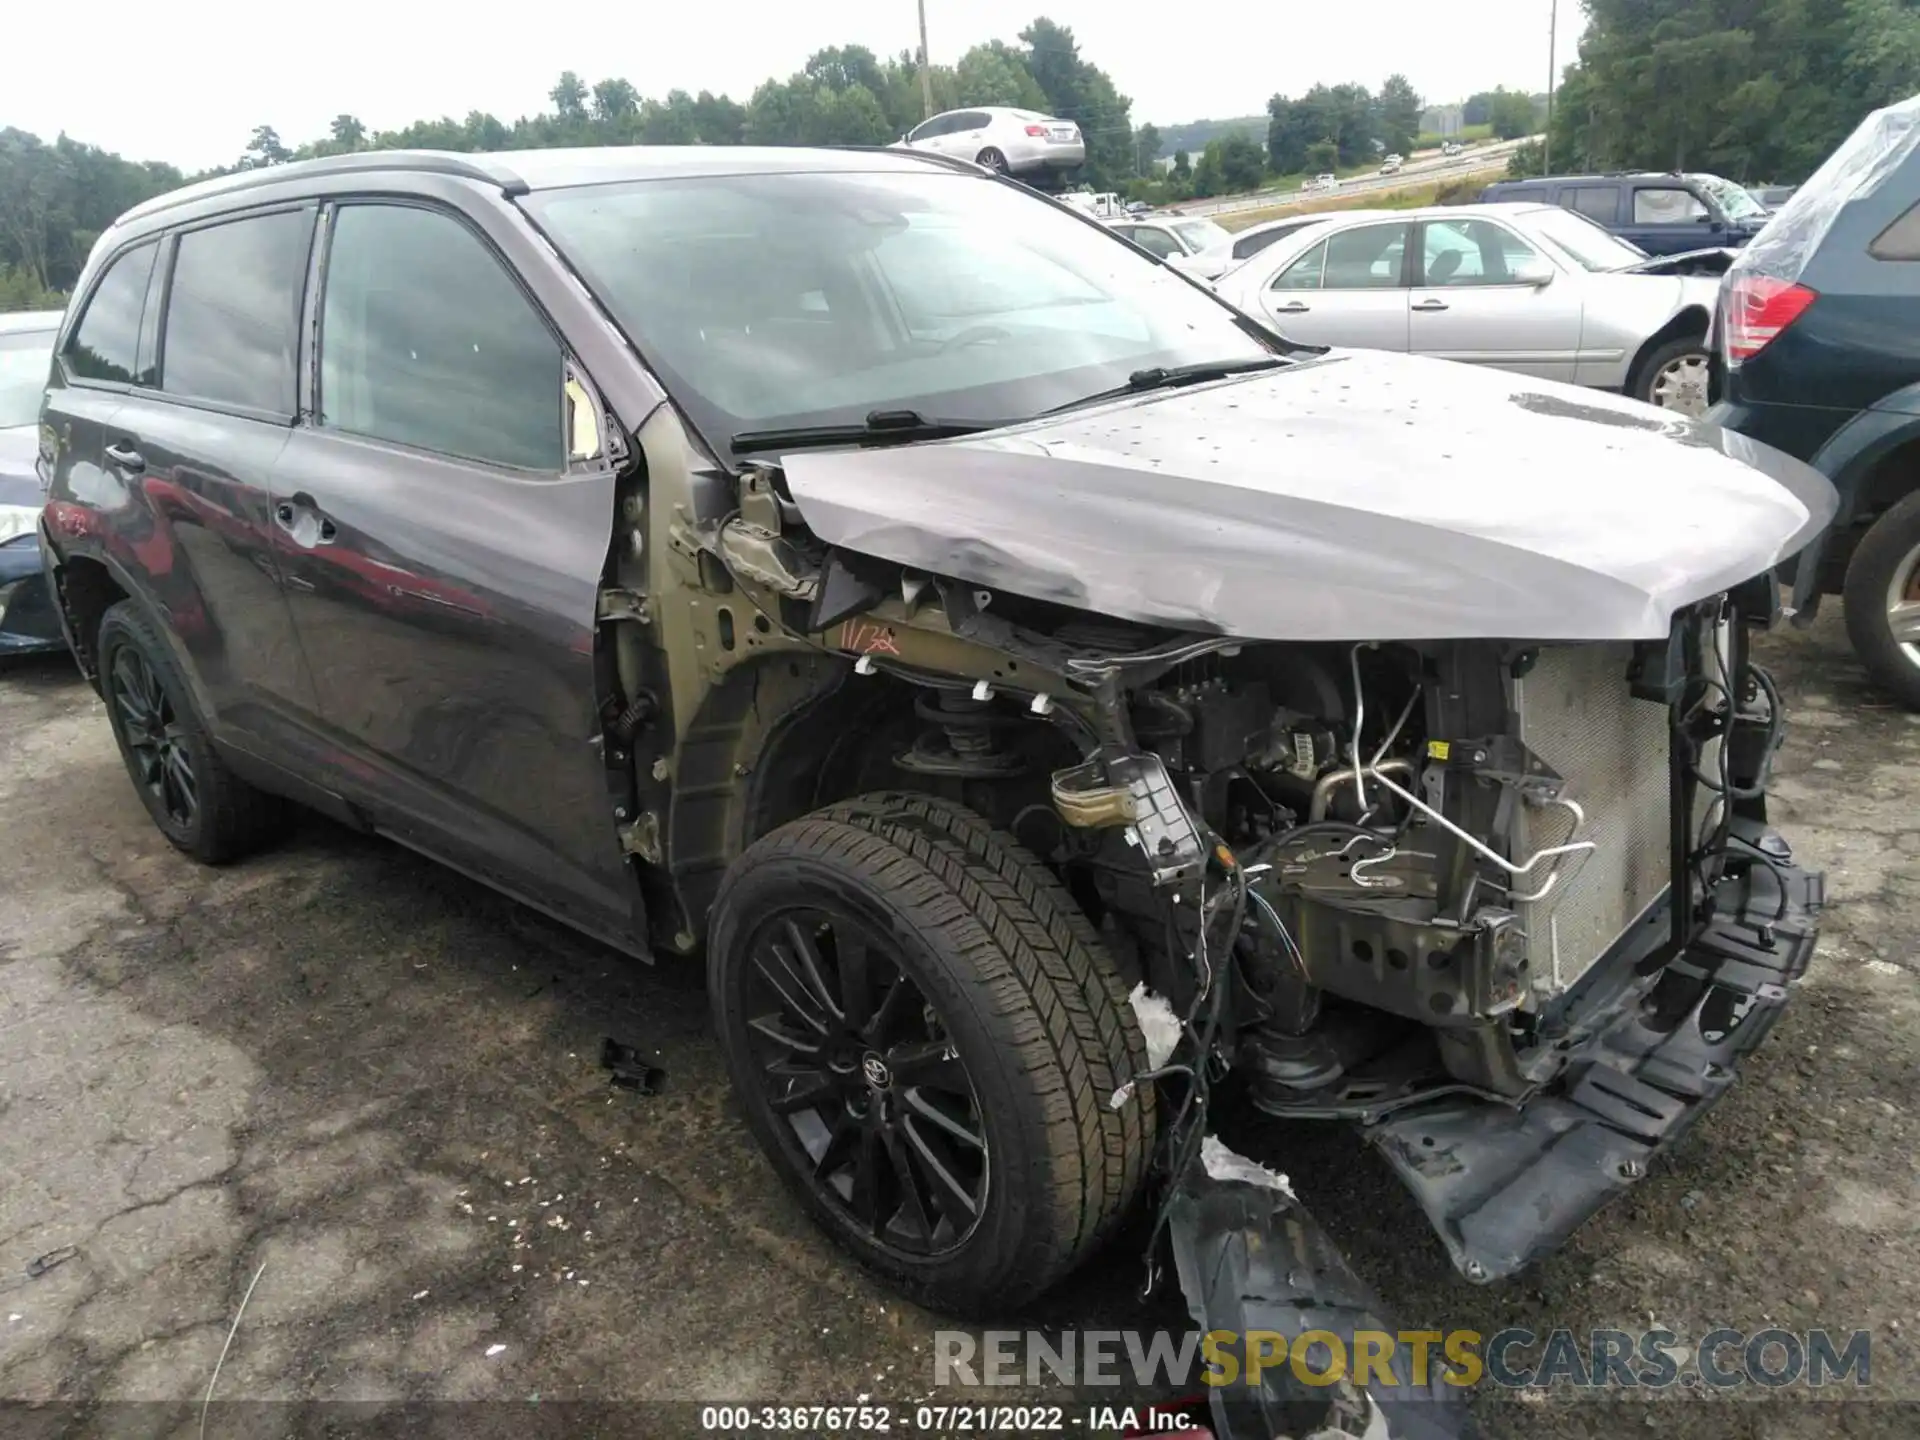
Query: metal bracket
column 617, row 604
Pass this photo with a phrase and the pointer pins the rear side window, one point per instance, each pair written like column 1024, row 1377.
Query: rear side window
column 427, row 341
column 1668, row 207
column 233, row 312
column 1254, row 244
column 1900, row 240
column 1369, row 258
column 1596, row 202
column 106, row 343
column 1304, row 273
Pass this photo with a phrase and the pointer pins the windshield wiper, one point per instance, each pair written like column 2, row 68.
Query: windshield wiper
column 881, row 427
column 1168, row 377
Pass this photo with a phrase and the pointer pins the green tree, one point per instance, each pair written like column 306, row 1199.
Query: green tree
column 1086, row 95
column 1182, row 166
column 1511, row 114
column 264, row 149
column 569, row 96
column 347, row 132
column 1146, row 145
column 1399, row 114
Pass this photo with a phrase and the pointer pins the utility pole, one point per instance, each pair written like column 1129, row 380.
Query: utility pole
column 1553, row 74
column 926, row 66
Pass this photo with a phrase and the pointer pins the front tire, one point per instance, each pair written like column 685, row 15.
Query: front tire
column 1678, row 377
column 925, row 1033
column 200, row 805
column 1883, row 600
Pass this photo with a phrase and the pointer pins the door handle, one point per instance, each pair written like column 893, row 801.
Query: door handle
column 1295, row 308
column 1431, row 305
column 125, row 457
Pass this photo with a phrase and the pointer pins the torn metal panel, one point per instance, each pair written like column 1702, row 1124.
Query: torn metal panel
column 1504, row 1186
column 1359, row 495
column 1251, row 1259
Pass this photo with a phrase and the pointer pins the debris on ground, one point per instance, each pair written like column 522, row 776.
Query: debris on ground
column 630, row 1071
column 42, row 1264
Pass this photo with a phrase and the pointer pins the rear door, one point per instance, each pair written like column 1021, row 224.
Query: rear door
column 443, row 554
column 1599, row 203
column 1350, row 289
column 1474, row 301
column 200, row 445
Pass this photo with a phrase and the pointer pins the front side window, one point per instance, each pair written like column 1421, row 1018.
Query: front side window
column 104, row 345
column 1199, row 234
column 233, row 312
column 1668, row 207
column 1736, row 202
column 1156, row 241
column 425, row 340
column 800, row 299
column 1368, row 258
column 1466, row 253
column 24, row 358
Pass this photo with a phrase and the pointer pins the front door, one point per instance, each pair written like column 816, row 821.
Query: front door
column 1479, row 298
column 1350, row 289
column 443, row 560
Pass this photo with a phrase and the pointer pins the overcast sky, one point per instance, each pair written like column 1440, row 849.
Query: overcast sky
column 187, row 81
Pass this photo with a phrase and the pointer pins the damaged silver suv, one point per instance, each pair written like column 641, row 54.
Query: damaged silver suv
column 1035, row 687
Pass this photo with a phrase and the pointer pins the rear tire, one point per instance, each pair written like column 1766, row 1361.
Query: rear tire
column 1885, row 568
column 992, row 159
column 200, row 805
column 1017, row 986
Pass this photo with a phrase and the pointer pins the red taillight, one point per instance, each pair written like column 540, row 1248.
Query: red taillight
column 1758, row 308
column 1037, row 131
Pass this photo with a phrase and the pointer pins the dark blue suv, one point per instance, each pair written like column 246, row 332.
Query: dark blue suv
column 1664, row 214
column 1819, row 333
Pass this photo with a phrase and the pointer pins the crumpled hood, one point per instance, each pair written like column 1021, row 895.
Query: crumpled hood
column 1357, row 496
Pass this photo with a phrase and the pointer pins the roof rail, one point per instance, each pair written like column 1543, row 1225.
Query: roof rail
column 418, row 162
column 930, row 157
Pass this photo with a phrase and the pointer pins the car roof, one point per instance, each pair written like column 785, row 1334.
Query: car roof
column 519, row 172
column 20, row 322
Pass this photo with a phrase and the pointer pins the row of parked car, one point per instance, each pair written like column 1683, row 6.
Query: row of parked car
column 1787, row 315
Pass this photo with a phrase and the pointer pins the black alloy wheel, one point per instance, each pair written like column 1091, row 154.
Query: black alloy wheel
column 195, row 799
column 860, row 1067
column 926, row 1034
column 155, row 738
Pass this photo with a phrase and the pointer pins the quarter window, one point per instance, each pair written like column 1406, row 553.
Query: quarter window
column 233, row 312
column 1900, row 240
column 108, row 338
column 1668, row 207
column 426, row 341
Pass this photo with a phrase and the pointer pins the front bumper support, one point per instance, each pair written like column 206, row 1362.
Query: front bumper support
column 1647, row 1056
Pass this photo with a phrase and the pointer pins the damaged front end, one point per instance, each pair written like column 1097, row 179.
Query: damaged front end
column 1512, row 909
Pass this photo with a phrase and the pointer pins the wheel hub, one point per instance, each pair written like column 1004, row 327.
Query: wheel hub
column 874, row 1070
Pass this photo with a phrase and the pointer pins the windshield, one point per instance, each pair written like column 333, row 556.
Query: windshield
column 1585, row 242
column 1735, row 200
column 1199, row 234
column 774, row 301
column 25, row 357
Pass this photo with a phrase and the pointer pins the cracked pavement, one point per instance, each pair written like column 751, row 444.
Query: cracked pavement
column 375, row 1084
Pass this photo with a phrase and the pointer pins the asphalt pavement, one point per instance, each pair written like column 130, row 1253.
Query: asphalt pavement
column 362, row 1095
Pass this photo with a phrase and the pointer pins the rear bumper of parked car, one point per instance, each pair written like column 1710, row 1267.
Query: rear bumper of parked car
column 1037, row 154
column 28, row 621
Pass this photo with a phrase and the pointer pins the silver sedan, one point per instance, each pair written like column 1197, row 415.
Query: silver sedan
column 1531, row 288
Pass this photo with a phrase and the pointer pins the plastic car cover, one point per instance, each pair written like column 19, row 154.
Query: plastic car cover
column 1853, row 172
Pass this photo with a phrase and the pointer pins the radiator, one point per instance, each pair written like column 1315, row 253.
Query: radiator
column 1578, row 714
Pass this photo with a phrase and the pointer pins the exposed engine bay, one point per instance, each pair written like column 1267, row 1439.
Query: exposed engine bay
column 1511, row 907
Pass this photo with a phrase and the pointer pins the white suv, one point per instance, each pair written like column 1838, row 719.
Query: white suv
column 1015, row 142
